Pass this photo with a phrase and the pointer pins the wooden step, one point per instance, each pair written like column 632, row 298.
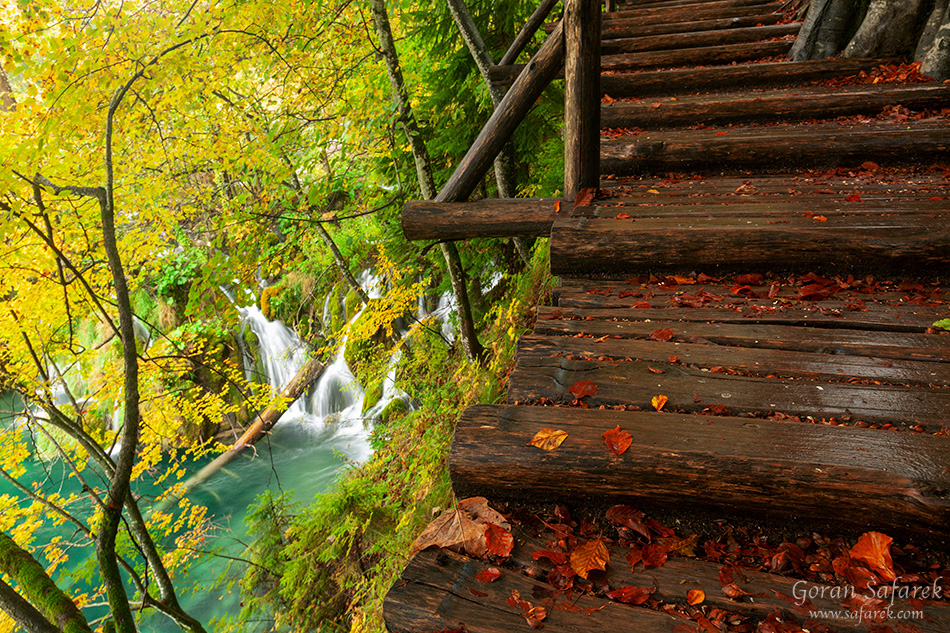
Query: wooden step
column 820, row 145
column 741, row 76
column 817, row 102
column 872, row 244
column 666, row 15
column 863, row 478
column 705, row 55
column 612, row 32
column 440, row 591
column 696, row 39
column 670, row 10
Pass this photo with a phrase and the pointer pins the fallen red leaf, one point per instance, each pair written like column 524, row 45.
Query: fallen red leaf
column 499, row 540
column 535, row 615
column 641, row 305
column 659, row 402
column 631, row 594
column 853, row 198
column 628, row 517
column 555, row 557
column 874, row 549
column 617, row 440
column 654, row 555
column 585, row 196
column 662, row 335
column 583, row 388
column 488, row 575
column 590, row 556
column 753, row 279
column 695, row 596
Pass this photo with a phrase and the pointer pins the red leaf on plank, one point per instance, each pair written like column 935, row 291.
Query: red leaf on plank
column 499, row 540
column 754, row 279
column 514, row 600
column 662, row 335
column 654, row 555
column 634, row 556
column 695, row 596
column 659, row 402
column 585, row 196
column 654, row 370
column 617, row 440
column 583, row 388
column 590, row 556
column 631, row 594
column 813, row 292
column 461, row 528
column 555, row 557
column 641, row 305
column 874, row 549
column 535, row 615
column 488, row 575
column 734, row 592
column 631, row 518
column 853, row 198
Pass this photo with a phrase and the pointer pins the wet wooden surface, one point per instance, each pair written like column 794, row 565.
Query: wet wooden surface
column 439, row 591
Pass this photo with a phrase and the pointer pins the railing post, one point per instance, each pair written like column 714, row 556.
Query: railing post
column 581, row 95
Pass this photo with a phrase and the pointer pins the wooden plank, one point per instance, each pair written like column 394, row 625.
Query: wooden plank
column 633, row 383
column 524, row 217
column 780, row 207
column 615, row 32
column 435, row 594
column 707, row 55
column 542, row 351
column 686, row 8
column 696, row 14
column 862, row 478
column 901, row 345
column 741, row 76
column 818, row 145
column 581, row 96
column 779, row 105
column 736, row 35
column 424, row 598
column 840, row 244
column 831, row 314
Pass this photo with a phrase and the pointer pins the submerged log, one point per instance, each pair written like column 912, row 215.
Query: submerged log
column 264, row 423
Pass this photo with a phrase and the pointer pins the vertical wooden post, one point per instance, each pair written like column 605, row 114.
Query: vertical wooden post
column 581, row 95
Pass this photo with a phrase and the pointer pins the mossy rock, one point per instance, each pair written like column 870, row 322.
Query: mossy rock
column 267, row 296
column 371, row 397
column 395, row 409
column 337, row 314
column 352, row 303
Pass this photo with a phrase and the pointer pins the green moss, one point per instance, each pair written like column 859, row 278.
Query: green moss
column 352, row 303
column 395, row 409
column 371, row 397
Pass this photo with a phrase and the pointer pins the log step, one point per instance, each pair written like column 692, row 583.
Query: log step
column 439, row 591
column 695, row 39
column 819, row 145
column 756, row 382
column 707, row 55
column 839, row 244
column 793, row 104
column 670, row 11
column 612, row 32
column 742, row 76
column 863, row 478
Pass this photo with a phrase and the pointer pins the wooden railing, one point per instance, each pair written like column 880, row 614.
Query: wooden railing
column 577, row 37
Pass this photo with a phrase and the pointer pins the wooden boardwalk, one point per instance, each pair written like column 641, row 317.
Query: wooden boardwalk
column 746, row 309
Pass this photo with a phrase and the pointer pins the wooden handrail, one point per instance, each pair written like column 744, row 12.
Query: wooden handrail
column 522, row 95
column 581, row 95
column 527, row 32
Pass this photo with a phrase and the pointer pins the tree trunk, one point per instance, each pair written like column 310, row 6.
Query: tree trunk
column 470, row 343
column 55, row 608
column 888, row 29
column 936, row 62
column 7, row 102
column 505, row 161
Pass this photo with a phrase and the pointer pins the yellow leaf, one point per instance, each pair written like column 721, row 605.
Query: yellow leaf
column 589, row 556
column 659, row 402
column 695, row 596
column 548, row 439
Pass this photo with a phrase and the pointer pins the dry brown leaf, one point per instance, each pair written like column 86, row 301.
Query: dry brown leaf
column 461, row 528
column 589, row 556
column 548, row 439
